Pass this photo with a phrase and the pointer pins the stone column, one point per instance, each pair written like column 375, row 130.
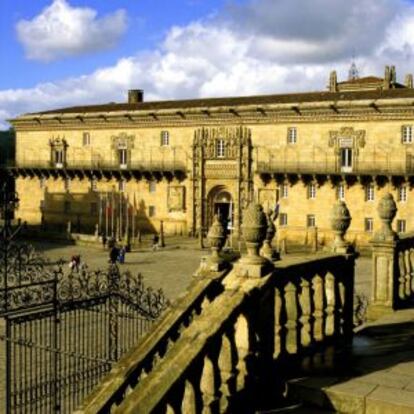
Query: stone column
column 384, row 262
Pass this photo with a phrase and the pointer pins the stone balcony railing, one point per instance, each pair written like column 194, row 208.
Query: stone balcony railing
column 385, row 166
column 229, row 356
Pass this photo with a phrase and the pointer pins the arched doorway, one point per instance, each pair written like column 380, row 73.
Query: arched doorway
column 221, row 202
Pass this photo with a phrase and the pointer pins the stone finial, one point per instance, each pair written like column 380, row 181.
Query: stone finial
column 387, row 209
column 340, row 221
column 267, row 250
column 254, row 229
column 333, row 82
column 409, row 81
column 216, row 237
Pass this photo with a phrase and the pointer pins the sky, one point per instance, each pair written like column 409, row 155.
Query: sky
column 59, row 53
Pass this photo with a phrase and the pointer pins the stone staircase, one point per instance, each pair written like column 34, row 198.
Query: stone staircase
column 376, row 376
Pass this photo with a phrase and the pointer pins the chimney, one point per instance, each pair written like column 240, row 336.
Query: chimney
column 409, row 80
column 135, row 96
column 387, row 78
column 333, row 82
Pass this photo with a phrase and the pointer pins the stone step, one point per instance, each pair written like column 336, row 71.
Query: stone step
column 296, row 409
column 351, row 395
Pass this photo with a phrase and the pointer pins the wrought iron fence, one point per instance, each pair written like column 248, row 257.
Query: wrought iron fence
column 63, row 329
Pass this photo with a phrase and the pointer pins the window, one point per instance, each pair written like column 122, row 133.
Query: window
column 58, row 158
column 369, row 224
column 292, row 135
column 310, row 220
column 86, row 139
column 341, row 192
column 311, row 191
column 346, row 159
column 402, row 194
column 152, row 187
column 401, row 226
column 151, row 211
column 67, row 184
column 94, row 184
column 94, row 209
column 121, row 186
column 407, row 134
column 369, row 192
column 42, row 182
column 285, row 190
column 220, row 148
column 165, row 138
column 66, row 207
column 123, row 157
column 283, row 219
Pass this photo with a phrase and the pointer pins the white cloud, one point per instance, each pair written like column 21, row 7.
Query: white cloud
column 215, row 58
column 61, row 31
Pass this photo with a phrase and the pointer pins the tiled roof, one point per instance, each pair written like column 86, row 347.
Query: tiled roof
column 258, row 100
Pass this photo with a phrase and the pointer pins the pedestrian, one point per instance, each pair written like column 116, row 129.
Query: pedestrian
column 104, row 240
column 74, row 263
column 121, row 255
column 113, row 255
column 155, row 241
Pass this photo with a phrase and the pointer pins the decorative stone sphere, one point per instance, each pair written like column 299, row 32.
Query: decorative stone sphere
column 387, row 208
column 340, row 218
column 254, row 224
column 216, row 234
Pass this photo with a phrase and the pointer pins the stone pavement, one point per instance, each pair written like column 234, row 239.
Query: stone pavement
column 376, row 377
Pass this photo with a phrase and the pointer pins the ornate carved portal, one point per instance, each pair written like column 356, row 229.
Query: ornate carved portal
column 222, row 153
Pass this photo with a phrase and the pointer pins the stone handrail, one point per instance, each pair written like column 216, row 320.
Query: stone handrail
column 152, row 347
column 231, row 350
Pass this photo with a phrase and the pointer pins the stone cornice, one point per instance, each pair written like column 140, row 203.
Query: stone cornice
column 367, row 110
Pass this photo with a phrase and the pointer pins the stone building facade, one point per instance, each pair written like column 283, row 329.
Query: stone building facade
column 125, row 167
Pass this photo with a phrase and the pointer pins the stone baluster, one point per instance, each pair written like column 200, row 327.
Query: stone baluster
column 169, row 409
column 305, row 306
column 330, row 304
column 318, row 303
column 412, row 270
column 291, row 318
column 242, row 342
column 226, row 366
column 189, row 403
column 385, row 283
column 408, row 272
column 278, row 324
column 208, row 388
column 254, row 232
column 340, row 221
column 402, row 275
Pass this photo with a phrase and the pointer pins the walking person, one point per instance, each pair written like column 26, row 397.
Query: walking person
column 155, row 241
column 113, row 255
column 104, row 240
column 121, row 255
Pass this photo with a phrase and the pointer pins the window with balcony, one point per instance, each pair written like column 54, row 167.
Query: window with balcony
column 165, row 138
column 369, row 192
column 369, row 224
column 401, row 226
column 407, row 134
column 123, row 157
column 311, row 191
column 292, row 135
column 86, row 139
column 402, row 194
column 58, row 158
column 346, row 159
column 151, row 211
column 220, row 148
column 121, row 186
column 42, row 182
column 310, row 220
column 94, row 184
column 341, row 192
column 283, row 219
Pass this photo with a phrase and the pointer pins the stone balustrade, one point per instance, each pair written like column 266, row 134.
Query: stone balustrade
column 264, row 314
column 392, row 264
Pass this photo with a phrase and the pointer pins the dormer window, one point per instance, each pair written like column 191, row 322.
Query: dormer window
column 220, row 148
column 407, row 134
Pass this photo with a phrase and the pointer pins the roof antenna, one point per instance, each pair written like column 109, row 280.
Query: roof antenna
column 353, row 70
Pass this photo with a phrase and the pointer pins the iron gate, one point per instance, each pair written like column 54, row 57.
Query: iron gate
column 64, row 330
